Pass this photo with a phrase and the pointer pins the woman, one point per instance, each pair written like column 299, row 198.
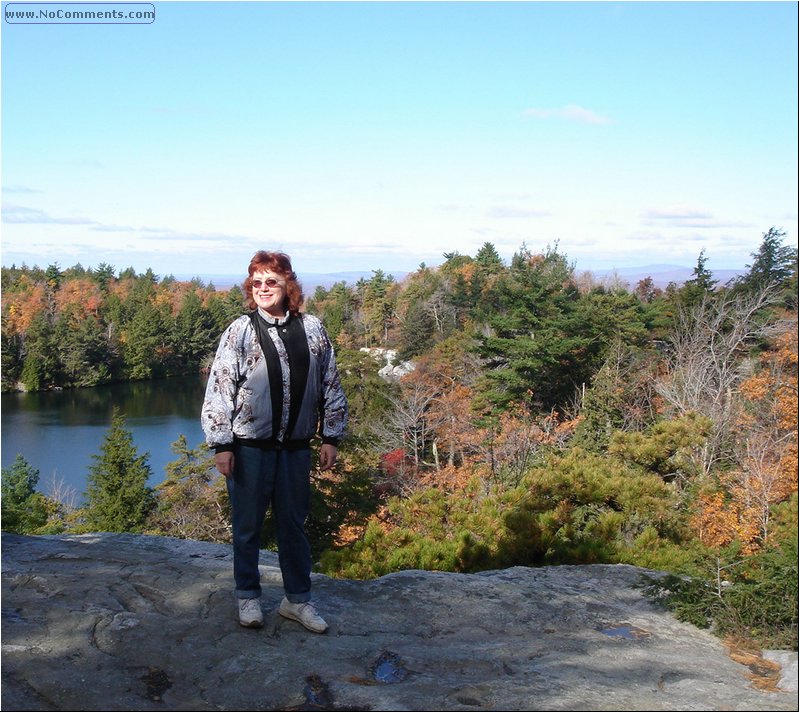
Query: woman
column 273, row 387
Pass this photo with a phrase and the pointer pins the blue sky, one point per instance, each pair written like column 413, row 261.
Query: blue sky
column 366, row 135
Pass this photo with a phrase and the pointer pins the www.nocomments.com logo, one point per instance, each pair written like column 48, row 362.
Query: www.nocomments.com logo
column 79, row 13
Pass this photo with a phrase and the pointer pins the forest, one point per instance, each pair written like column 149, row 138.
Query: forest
column 545, row 417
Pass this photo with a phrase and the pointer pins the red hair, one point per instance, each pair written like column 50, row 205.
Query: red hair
column 280, row 263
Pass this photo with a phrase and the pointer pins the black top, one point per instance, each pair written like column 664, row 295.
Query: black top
column 292, row 334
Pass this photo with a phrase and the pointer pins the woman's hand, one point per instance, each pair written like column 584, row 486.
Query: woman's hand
column 224, row 462
column 327, row 456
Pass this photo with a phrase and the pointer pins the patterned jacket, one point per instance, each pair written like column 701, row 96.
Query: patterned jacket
column 237, row 398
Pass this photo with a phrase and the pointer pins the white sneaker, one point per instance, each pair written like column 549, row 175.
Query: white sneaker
column 304, row 613
column 250, row 615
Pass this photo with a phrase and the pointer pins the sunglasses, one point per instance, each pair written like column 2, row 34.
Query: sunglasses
column 271, row 283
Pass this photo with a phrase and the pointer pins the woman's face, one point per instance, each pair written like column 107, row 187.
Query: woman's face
column 269, row 292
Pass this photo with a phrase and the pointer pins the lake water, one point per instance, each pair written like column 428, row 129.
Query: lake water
column 57, row 432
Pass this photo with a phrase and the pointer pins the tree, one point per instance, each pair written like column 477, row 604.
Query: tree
column 703, row 365
column 40, row 368
column 378, row 306
column 700, row 285
column 620, row 397
column 53, row 276
column 766, row 441
column 103, row 275
column 646, row 290
column 224, row 308
column 417, row 331
column 118, row 498
column 24, row 510
column 83, row 349
column 531, row 346
column 143, row 339
column 448, row 371
column 773, row 264
column 192, row 500
column 406, row 427
column 194, row 333
column 335, row 307
column 488, row 258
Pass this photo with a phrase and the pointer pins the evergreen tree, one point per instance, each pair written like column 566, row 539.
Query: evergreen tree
column 11, row 350
column 192, row 500
column 194, row 333
column 103, row 275
column 223, row 308
column 335, row 307
column 142, row 341
column 486, row 282
column 83, row 350
column 378, row 306
column 488, row 258
column 699, row 286
column 53, row 276
column 417, row 332
column 24, row 510
column 424, row 311
column 773, row 264
column 118, row 498
column 531, row 348
column 41, row 354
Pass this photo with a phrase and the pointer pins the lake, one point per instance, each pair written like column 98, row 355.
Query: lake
column 57, row 432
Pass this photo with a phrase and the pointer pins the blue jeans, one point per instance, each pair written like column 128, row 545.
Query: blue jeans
column 281, row 478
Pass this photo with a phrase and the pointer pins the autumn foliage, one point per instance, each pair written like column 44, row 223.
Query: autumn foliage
column 544, row 417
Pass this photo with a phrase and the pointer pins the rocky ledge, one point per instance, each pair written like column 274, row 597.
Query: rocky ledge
column 127, row 622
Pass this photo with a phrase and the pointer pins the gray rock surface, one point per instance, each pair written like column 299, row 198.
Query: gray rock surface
column 126, row 622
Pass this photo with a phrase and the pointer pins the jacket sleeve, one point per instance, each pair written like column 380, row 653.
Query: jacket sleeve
column 334, row 407
column 220, row 393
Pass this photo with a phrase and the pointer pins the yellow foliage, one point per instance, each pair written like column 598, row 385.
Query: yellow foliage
column 81, row 295
column 719, row 520
column 23, row 306
column 767, row 452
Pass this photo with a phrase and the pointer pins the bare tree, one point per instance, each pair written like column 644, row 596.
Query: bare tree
column 707, row 360
column 406, row 427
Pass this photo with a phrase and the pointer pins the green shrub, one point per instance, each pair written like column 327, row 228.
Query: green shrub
column 578, row 509
column 749, row 597
column 24, row 510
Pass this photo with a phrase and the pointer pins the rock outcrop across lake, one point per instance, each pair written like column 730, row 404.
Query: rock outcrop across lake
column 127, row 622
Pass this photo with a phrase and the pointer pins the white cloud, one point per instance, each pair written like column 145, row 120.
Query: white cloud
column 19, row 189
column 686, row 217
column 570, row 112
column 508, row 211
column 22, row 214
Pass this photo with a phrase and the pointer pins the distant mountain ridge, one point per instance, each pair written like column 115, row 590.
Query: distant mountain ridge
column 310, row 281
column 661, row 274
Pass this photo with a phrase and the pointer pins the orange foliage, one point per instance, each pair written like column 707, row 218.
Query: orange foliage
column 770, row 421
column 167, row 298
column 121, row 288
column 22, row 307
column 449, row 478
column 467, row 271
column 83, row 295
column 767, row 454
column 719, row 521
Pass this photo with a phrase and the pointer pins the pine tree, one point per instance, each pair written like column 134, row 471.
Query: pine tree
column 23, row 508
column 192, row 500
column 194, row 333
column 700, row 285
column 773, row 264
column 41, row 361
column 118, row 498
